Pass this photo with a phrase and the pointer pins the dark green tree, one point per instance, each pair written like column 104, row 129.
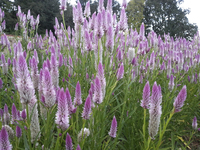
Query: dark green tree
column 10, row 15
column 135, row 15
column 165, row 16
column 47, row 9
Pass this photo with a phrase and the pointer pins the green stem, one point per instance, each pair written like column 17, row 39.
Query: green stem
column 144, row 128
column 164, row 129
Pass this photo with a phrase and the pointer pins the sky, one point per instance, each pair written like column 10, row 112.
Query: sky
column 193, row 6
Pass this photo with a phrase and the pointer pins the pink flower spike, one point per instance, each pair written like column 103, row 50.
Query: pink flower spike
column 113, row 129
column 194, row 123
column 78, row 99
column 4, row 140
column 87, row 108
column 146, row 96
column 179, row 101
column 69, row 145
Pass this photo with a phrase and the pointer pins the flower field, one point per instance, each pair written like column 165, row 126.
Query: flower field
column 98, row 86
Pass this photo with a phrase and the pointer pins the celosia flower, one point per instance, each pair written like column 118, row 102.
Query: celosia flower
column 131, row 54
column 14, row 113
column 48, row 89
column 98, row 26
column 194, row 123
column 102, row 78
column 60, row 62
column 120, row 72
column 18, row 132
column 78, row 147
column 63, row 5
column 34, row 72
column 9, row 131
column 171, row 83
column 179, row 101
column 84, row 133
column 78, row 99
column 141, row 35
column 87, row 9
column 113, row 129
column 23, row 114
column 4, row 64
column 79, row 13
column 155, row 111
column 109, row 6
column 124, row 4
column 54, row 71
column 98, row 95
column 100, row 7
column 146, row 96
column 110, row 39
column 69, row 102
column 122, row 24
column 24, row 83
column 87, row 108
column 6, row 115
column 62, row 115
column 34, row 125
column 69, row 145
column 4, row 140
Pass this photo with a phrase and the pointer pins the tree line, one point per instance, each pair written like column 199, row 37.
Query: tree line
column 162, row 16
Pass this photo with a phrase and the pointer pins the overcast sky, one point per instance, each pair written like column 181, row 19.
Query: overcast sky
column 193, row 5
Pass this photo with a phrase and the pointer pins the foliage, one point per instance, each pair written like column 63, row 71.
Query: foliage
column 114, row 66
column 10, row 15
column 134, row 12
column 167, row 17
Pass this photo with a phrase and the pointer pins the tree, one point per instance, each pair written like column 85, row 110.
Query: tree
column 10, row 15
column 134, row 12
column 47, row 9
column 165, row 16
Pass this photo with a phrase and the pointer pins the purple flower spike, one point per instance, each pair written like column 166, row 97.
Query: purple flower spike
column 171, row 83
column 120, row 72
column 69, row 102
column 23, row 115
column 179, row 101
column 14, row 113
column 155, row 110
column 194, row 123
column 113, row 129
column 18, row 132
column 78, row 99
column 62, row 115
column 124, row 4
column 109, row 6
column 6, row 115
column 60, row 60
column 110, row 38
column 123, row 20
column 98, row 95
column 78, row 147
column 4, row 140
column 87, row 9
column 146, row 96
column 48, row 89
column 87, row 108
column 69, row 145
column 1, row 114
column 63, row 5
column 1, row 84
